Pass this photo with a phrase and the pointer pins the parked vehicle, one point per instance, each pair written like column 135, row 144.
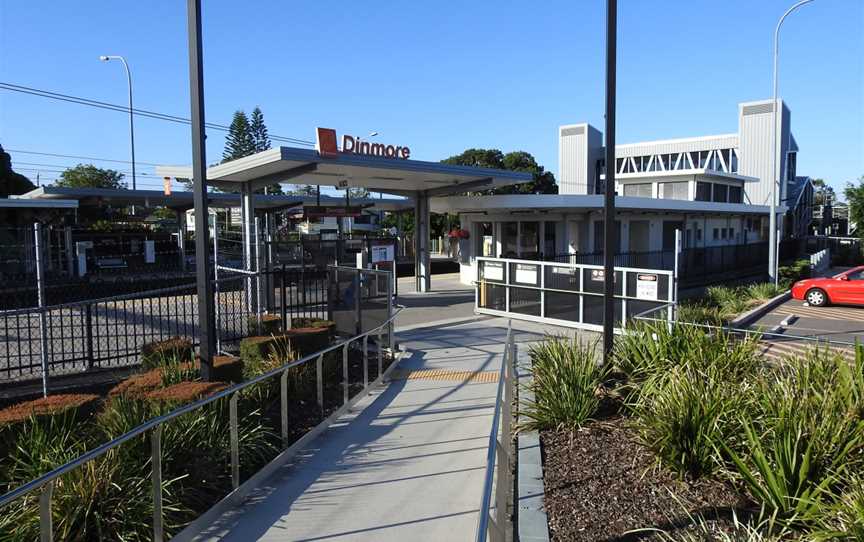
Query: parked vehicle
column 847, row 288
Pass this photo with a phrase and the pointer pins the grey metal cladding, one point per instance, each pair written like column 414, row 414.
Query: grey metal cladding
column 757, row 109
column 575, row 130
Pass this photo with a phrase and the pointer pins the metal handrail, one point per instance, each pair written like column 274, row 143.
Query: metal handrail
column 641, row 317
column 502, row 405
column 46, row 480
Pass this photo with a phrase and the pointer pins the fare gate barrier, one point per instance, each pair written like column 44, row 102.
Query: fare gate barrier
column 568, row 294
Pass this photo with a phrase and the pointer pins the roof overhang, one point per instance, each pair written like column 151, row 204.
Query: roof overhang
column 582, row 203
column 16, row 203
column 342, row 170
column 706, row 173
column 183, row 200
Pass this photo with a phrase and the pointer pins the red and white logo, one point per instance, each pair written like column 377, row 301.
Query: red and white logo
column 326, row 146
column 326, row 143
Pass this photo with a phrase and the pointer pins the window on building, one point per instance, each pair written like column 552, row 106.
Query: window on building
column 714, row 163
column 619, row 164
column 485, row 239
column 690, row 160
column 703, row 191
column 716, row 234
column 736, row 194
column 721, row 193
column 654, row 163
column 723, row 233
column 509, row 233
column 639, row 190
column 732, row 234
column 599, row 236
column 677, row 190
column 733, row 166
column 698, row 234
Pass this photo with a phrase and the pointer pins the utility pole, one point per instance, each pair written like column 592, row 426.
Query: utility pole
column 609, row 233
column 206, row 311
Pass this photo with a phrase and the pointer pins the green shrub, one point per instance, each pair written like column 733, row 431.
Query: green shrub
column 805, row 437
column 789, row 274
column 843, row 519
column 651, row 349
column 269, row 324
column 764, row 291
column 157, row 353
column 700, row 313
column 681, row 414
column 567, row 383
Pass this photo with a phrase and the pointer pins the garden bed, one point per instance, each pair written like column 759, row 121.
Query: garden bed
column 691, row 436
column 601, row 484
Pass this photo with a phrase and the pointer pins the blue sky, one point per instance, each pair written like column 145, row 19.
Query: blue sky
column 437, row 76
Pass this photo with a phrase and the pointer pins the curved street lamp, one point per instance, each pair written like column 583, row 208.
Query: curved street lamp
column 773, row 241
column 106, row 58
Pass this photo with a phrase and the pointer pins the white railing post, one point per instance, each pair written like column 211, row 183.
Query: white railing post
column 235, row 441
column 156, row 462
column 40, row 295
column 46, row 523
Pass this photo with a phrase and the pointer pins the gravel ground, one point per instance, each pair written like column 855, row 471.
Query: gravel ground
column 601, row 485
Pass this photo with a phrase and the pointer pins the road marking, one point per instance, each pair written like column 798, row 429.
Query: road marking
column 781, row 350
column 827, row 314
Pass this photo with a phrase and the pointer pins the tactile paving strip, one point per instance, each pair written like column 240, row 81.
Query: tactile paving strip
column 446, row 374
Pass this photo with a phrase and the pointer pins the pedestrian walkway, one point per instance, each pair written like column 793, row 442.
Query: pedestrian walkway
column 406, row 464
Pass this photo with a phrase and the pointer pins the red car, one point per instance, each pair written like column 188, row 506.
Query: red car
column 847, row 288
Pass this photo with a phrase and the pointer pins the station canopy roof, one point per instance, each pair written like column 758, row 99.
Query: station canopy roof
column 183, row 200
column 380, row 174
column 523, row 203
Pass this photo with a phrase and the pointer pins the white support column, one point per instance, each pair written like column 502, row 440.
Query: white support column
column 247, row 213
column 181, row 237
column 422, row 267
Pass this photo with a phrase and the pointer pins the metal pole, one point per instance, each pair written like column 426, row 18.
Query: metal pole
column 131, row 122
column 43, row 318
column 156, row 461
column 772, row 220
column 609, row 196
column 46, row 522
column 206, row 320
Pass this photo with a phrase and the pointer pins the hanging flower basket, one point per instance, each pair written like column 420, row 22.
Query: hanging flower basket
column 459, row 234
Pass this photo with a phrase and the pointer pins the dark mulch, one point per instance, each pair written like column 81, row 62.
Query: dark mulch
column 601, row 483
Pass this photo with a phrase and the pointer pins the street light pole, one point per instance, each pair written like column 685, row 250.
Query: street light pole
column 773, row 244
column 106, row 58
column 609, row 231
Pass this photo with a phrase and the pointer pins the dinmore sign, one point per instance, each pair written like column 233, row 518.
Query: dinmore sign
column 354, row 145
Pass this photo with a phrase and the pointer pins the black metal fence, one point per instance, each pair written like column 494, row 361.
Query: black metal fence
column 697, row 266
column 110, row 331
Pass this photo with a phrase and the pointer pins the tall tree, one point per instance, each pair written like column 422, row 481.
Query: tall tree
column 238, row 142
column 855, row 198
column 543, row 181
column 90, row 176
column 11, row 183
column 258, row 130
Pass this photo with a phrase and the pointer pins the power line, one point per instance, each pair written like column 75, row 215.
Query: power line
column 80, row 157
column 125, row 109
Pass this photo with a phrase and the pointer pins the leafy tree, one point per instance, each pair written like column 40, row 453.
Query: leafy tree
column 855, row 198
column 90, row 176
column 238, row 142
column 823, row 193
column 542, row 183
column 11, row 183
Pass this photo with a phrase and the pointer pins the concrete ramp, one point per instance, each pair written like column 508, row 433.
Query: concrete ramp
column 406, row 464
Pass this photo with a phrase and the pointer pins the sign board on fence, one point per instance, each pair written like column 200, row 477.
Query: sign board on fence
column 493, row 270
column 598, row 274
column 149, row 251
column 312, row 211
column 382, row 253
column 646, row 286
column 526, row 274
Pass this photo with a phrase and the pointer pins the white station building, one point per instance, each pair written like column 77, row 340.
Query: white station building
column 715, row 189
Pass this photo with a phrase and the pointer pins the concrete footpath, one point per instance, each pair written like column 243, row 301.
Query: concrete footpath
column 406, row 464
